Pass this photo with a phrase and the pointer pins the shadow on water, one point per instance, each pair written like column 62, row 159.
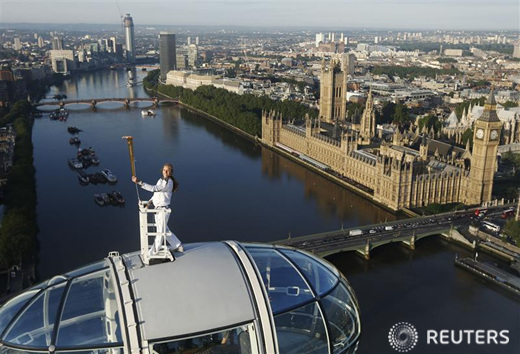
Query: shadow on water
column 331, row 198
column 229, row 138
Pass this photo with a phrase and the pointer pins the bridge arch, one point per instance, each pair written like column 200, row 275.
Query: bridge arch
column 97, row 102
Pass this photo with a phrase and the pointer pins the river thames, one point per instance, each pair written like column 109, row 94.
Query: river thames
column 233, row 189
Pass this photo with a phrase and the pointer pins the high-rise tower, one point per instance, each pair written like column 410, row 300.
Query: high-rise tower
column 193, row 55
column 17, row 43
column 57, row 43
column 129, row 38
column 167, row 53
column 486, row 138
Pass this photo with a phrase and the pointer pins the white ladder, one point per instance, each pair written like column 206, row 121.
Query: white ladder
column 146, row 227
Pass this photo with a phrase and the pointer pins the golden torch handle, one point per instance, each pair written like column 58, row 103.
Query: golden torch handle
column 130, row 142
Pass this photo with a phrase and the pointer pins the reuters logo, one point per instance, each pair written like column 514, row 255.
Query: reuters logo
column 403, row 337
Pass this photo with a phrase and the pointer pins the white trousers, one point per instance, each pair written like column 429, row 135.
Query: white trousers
column 161, row 222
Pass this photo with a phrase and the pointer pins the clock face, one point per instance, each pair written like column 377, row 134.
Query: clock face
column 480, row 133
column 494, row 134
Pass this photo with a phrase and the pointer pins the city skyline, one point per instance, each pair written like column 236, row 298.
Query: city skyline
column 404, row 14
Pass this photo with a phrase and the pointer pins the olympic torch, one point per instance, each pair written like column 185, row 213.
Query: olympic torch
column 130, row 143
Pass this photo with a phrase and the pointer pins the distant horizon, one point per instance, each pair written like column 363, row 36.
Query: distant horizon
column 426, row 15
column 314, row 28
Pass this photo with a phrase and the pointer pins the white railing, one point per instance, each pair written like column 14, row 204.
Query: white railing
column 148, row 229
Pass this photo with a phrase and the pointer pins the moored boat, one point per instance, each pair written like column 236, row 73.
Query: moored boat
column 106, row 198
column 73, row 130
column 85, row 160
column 83, row 177
column 148, row 113
column 116, row 197
column 99, row 199
column 75, row 163
column 131, row 81
column 110, row 177
column 100, row 178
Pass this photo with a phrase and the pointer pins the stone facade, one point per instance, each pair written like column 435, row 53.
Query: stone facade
column 395, row 175
column 333, row 91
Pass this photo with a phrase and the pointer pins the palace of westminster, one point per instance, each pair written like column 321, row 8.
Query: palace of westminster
column 407, row 170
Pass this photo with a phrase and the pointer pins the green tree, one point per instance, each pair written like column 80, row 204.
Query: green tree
column 468, row 135
column 401, row 117
column 509, row 104
column 387, row 112
column 354, row 109
column 512, row 229
column 430, row 121
column 19, row 228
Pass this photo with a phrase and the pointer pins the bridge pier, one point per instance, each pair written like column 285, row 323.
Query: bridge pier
column 62, row 104
column 127, row 103
column 156, row 102
column 366, row 254
column 93, row 104
column 412, row 242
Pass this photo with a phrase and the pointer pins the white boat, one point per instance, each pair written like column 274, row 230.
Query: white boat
column 75, row 163
column 111, row 178
column 130, row 82
column 148, row 113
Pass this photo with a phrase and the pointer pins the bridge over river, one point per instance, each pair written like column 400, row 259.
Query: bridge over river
column 94, row 102
column 363, row 240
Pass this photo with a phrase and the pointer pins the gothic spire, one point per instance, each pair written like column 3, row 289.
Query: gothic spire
column 490, row 109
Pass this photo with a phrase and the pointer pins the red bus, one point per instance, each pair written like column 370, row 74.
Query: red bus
column 481, row 212
column 508, row 213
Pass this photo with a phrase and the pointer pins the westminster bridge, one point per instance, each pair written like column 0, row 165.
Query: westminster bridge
column 94, row 102
column 363, row 240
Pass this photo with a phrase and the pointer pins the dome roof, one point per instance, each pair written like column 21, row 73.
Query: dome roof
column 223, row 296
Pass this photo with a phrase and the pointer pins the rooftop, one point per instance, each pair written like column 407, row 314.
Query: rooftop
column 215, row 297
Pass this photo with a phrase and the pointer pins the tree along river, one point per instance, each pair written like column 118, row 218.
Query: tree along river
column 231, row 188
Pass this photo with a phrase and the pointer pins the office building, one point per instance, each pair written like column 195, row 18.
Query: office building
column 17, row 43
column 167, row 53
column 320, row 38
column 129, row 38
column 193, row 56
column 57, row 43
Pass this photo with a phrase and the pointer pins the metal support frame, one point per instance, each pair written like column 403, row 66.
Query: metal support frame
column 145, row 227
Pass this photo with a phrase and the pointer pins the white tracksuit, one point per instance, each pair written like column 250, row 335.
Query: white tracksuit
column 162, row 193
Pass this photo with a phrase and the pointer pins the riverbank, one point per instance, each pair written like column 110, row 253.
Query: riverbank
column 18, row 232
column 492, row 274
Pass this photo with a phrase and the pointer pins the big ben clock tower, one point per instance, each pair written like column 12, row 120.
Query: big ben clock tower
column 486, row 137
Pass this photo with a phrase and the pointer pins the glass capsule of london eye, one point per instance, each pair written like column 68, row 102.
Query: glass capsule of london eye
column 216, row 297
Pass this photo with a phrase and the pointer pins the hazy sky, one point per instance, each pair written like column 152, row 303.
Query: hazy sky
column 421, row 14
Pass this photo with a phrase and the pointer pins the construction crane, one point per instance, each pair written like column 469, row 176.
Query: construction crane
column 121, row 17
